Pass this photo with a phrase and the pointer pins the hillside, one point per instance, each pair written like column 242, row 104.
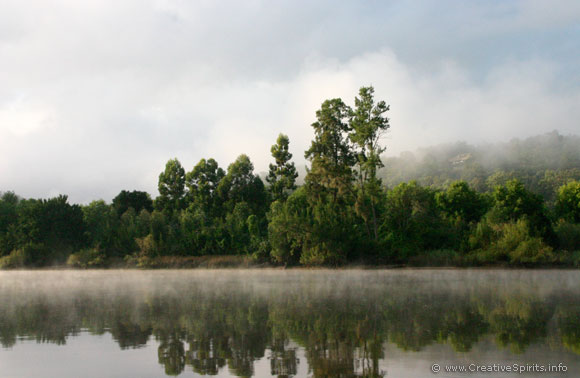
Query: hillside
column 542, row 163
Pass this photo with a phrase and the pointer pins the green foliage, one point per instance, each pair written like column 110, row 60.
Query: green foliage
column 237, row 226
column 101, row 223
column 240, row 184
column 53, row 223
column 202, row 183
column 568, row 202
column 30, row 254
column 332, row 159
column 171, row 187
column 513, row 202
column 568, row 235
column 483, row 235
column 288, row 222
column 368, row 124
column 86, row 258
column 135, row 199
column 158, row 227
column 329, row 238
column 460, row 202
column 146, row 255
column 530, row 251
column 282, row 174
column 511, row 242
column 18, row 258
column 8, row 221
column 147, row 246
column 412, row 221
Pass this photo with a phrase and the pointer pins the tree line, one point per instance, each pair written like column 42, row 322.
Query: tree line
column 342, row 213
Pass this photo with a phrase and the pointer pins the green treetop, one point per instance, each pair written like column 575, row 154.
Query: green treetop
column 368, row 124
column 202, row 183
column 171, row 187
column 282, row 174
column 332, row 158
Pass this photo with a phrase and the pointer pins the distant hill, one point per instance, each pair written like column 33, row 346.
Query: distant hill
column 542, row 163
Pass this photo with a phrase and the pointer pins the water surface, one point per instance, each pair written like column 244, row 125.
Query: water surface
column 260, row 323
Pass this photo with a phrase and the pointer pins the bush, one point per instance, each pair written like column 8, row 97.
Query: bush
column 483, row 235
column 568, row 202
column 512, row 235
column 16, row 259
column 148, row 251
column 568, row 235
column 532, row 251
column 508, row 242
column 86, row 258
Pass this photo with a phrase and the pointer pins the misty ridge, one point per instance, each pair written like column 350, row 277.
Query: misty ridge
column 542, row 163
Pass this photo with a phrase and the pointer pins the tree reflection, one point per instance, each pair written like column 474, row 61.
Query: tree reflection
column 171, row 354
column 341, row 331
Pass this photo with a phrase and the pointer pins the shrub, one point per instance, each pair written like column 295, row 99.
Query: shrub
column 568, row 202
column 86, row 258
column 483, row 235
column 532, row 251
column 511, row 242
column 148, row 251
column 568, row 235
column 16, row 259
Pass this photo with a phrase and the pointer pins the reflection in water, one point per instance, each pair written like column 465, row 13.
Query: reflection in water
column 213, row 322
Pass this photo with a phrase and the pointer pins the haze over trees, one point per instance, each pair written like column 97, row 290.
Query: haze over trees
column 515, row 203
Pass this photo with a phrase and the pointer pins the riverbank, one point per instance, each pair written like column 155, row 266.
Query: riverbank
column 429, row 259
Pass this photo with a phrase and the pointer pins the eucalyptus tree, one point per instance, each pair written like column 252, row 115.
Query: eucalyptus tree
column 329, row 188
column 367, row 125
column 282, row 174
column 202, row 183
column 171, row 187
column 245, row 201
column 331, row 156
column 240, row 184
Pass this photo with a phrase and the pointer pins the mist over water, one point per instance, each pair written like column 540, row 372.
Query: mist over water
column 349, row 323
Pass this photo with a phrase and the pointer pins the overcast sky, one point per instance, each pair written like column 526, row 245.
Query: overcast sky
column 96, row 96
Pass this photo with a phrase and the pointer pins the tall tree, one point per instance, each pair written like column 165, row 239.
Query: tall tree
column 368, row 124
column 282, row 174
column 240, row 184
column 329, row 187
column 330, row 153
column 202, row 183
column 171, row 187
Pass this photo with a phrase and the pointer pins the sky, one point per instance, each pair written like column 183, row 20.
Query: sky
column 96, row 96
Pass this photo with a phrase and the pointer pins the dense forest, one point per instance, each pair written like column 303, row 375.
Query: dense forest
column 515, row 203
